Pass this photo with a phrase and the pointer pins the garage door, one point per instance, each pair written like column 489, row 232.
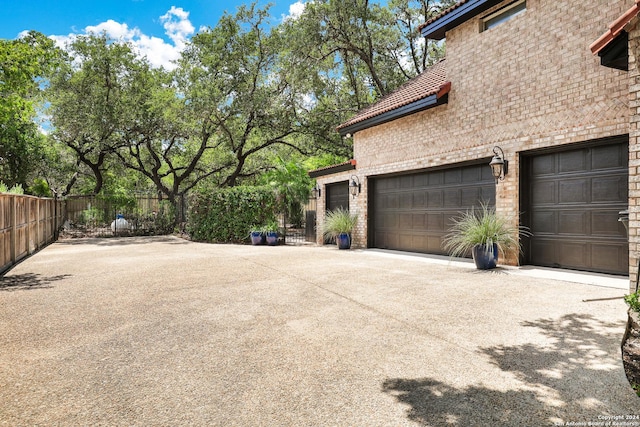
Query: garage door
column 574, row 200
column 412, row 212
column 337, row 196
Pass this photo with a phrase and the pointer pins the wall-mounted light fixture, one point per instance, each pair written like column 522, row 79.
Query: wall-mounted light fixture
column 316, row 191
column 354, row 186
column 499, row 165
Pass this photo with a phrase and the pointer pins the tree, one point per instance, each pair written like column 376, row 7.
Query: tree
column 415, row 53
column 88, row 105
column 60, row 168
column 345, row 39
column 25, row 63
column 237, row 97
column 292, row 186
column 243, row 93
column 350, row 53
column 156, row 138
column 217, row 117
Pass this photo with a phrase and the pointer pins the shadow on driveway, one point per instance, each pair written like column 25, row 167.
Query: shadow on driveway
column 28, row 281
column 574, row 354
column 123, row 241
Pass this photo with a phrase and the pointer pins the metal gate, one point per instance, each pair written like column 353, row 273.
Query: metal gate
column 101, row 216
column 303, row 232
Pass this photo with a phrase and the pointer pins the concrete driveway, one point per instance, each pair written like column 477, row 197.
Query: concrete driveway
column 165, row 332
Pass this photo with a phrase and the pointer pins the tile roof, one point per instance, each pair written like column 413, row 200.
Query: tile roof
column 432, row 81
column 615, row 28
column 328, row 170
column 443, row 13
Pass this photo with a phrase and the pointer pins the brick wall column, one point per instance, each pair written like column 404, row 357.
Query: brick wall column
column 358, row 205
column 507, row 198
column 320, row 208
column 634, row 152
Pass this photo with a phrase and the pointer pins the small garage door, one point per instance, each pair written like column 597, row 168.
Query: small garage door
column 413, row 212
column 574, row 200
column 337, row 196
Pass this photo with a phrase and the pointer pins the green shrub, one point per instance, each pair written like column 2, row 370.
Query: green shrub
column 91, row 216
column 270, row 226
column 636, row 388
column 16, row 189
column 40, row 188
column 156, row 223
column 120, row 200
column 227, row 215
column 633, row 301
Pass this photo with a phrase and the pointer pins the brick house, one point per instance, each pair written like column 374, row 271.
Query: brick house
column 546, row 82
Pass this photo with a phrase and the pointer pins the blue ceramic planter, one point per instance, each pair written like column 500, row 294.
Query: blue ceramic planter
column 344, row 241
column 257, row 238
column 485, row 257
column 272, row 238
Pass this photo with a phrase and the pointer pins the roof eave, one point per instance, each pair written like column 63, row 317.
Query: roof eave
column 330, row 170
column 616, row 53
column 437, row 29
column 615, row 29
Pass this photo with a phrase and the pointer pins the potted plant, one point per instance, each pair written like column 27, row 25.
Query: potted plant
column 271, row 233
column 257, row 235
column 485, row 234
column 339, row 224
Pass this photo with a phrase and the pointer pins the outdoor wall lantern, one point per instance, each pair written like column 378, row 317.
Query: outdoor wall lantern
column 499, row 166
column 316, row 191
column 354, row 186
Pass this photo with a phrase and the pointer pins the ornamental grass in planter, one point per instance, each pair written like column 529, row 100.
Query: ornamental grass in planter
column 484, row 234
column 339, row 224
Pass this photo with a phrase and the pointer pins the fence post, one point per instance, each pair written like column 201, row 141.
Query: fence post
column 38, row 236
column 55, row 217
column 27, row 231
column 14, row 232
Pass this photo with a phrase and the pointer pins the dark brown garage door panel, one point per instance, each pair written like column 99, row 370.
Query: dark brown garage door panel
column 412, row 212
column 337, row 196
column 575, row 199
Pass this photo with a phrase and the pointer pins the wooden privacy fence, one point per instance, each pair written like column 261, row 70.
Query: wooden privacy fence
column 27, row 223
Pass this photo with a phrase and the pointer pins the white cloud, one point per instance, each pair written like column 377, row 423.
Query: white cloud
column 295, row 10
column 177, row 26
column 159, row 52
column 113, row 29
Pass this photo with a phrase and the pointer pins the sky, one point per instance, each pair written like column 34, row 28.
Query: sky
column 158, row 28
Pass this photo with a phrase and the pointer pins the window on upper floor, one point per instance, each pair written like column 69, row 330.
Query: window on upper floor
column 502, row 15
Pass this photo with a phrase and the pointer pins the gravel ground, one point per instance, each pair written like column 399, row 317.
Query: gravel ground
column 166, row 332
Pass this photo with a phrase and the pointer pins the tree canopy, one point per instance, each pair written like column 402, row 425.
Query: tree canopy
column 24, row 64
column 244, row 94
